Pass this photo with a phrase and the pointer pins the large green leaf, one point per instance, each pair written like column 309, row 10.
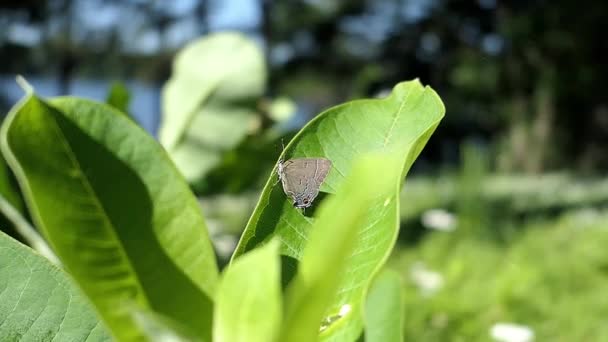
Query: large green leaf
column 207, row 103
column 398, row 125
column 249, row 301
column 115, row 209
column 384, row 309
column 330, row 245
column 38, row 302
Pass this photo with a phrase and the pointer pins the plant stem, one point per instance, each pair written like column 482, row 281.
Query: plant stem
column 28, row 232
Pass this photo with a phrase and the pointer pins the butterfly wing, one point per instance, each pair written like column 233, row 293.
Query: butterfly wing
column 322, row 169
column 302, row 177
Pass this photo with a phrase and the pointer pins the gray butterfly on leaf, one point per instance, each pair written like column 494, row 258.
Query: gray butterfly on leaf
column 302, row 177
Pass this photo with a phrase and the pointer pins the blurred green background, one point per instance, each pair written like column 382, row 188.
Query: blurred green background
column 504, row 215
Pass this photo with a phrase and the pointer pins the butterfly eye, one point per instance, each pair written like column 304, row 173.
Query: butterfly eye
column 305, row 201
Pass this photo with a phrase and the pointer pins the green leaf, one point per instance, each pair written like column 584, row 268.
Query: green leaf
column 7, row 190
column 25, row 230
column 330, row 245
column 13, row 221
column 384, row 309
column 398, row 125
column 115, row 210
column 119, row 97
column 213, row 131
column 248, row 303
column 38, row 302
column 208, row 103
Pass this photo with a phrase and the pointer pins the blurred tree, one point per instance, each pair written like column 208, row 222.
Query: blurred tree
column 526, row 77
column 516, row 73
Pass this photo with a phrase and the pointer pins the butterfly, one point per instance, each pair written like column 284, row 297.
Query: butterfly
column 302, row 177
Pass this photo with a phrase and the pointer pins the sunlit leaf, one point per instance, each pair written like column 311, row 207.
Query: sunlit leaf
column 115, row 210
column 399, row 126
column 249, row 298
column 321, row 271
column 38, row 302
column 384, row 309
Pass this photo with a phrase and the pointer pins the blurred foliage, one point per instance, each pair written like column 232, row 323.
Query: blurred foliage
column 244, row 168
column 524, row 77
column 551, row 277
column 508, row 195
column 119, row 97
column 525, row 249
column 208, row 103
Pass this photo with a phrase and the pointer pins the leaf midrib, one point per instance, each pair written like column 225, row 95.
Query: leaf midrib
column 108, row 224
column 396, row 117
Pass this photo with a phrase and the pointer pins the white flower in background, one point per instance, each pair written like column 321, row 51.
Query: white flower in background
column 510, row 332
column 224, row 244
column 438, row 219
column 428, row 281
column 383, row 93
column 583, row 218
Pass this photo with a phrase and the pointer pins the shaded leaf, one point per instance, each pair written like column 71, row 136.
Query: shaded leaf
column 38, row 302
column 7, row 189
column 398, row 125
column 114, row 209
column 248, row 306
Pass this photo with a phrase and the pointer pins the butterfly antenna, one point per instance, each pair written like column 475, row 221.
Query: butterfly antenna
column 283, row 145
column 280, row 164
